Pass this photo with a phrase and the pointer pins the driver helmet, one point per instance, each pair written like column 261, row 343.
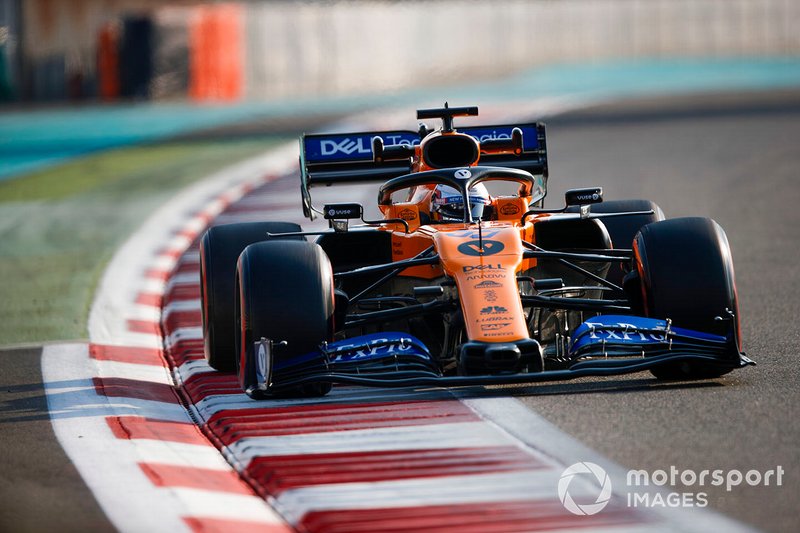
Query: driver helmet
column 447, row 204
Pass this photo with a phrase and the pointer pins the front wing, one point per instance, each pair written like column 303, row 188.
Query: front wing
column 603, row 346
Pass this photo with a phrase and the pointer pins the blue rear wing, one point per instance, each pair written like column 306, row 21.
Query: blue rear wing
column 327, row 159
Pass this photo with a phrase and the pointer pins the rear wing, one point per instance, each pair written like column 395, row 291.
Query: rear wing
column 327, row 159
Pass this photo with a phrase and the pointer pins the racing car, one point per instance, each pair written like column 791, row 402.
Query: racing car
column 467, row 279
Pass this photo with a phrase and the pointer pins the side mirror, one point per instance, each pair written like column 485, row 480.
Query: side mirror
column 591, row 195
column 342, row 211
column 339, row 215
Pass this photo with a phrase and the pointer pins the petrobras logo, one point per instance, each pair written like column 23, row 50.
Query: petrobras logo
column 346, row 146
column 598, row 483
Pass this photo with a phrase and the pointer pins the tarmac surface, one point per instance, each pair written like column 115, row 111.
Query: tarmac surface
column 732, row 157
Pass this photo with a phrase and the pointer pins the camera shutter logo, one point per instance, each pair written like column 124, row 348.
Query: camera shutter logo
column 603, row 481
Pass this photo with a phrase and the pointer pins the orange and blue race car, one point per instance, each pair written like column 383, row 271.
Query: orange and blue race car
column 467, row 279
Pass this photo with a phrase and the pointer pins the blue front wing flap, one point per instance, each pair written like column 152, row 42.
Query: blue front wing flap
column 602, row 346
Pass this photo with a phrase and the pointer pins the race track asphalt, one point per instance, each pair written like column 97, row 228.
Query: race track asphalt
column 733, row 157
column 40, row 490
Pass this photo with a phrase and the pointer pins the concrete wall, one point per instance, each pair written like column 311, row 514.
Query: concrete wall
column 297, row 48
column 345, row 47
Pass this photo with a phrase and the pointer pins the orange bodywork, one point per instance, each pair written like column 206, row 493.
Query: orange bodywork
column 485, row 277
column 484, row 266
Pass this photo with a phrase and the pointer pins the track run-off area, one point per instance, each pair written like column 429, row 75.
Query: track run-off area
column 166, row 444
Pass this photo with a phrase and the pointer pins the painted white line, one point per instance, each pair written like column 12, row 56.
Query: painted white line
column 180, row 305
column 136, row 372
column 423, row 436
column 525, row 485
column 525, row 426
column 191, row 368
column 209, row 504
column 180, row 454
column 213, row 404
column 110, row 470
column 143, row 312
column 194, row 333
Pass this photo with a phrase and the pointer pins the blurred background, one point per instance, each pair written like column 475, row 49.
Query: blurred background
column 108, row 108
column 112, row 50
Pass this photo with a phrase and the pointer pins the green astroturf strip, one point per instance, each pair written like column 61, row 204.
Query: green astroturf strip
column 59, row 227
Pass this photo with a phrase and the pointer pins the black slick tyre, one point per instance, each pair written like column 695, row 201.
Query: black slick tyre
column 686, row 275
column 623, row 229
column 284, row 293
column 220, row 247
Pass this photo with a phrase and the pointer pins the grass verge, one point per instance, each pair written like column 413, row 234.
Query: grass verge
column 59, row 227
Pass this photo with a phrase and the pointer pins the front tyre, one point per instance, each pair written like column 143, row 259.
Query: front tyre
column 220, row 247
column 284, row 294
column 686, row 274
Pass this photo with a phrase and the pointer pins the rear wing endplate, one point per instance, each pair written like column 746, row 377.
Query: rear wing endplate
column 327, row 159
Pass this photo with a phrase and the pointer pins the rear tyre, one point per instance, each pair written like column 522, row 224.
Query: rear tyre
column 623, row 229
column 284, row 292
column 686, row 275
column 220, row 247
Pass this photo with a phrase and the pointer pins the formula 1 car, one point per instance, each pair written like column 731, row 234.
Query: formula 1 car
column 457, row 285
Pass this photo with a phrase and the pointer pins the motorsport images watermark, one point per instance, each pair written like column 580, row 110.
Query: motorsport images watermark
column 585, row 488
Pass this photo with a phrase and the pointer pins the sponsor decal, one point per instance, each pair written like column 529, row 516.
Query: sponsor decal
column 495, row 326
column 482, row 268
column 408, row 214
column 473, row 248
column 494, row 310
column 486, row 275
column 347, row 213
column 588, row 197
column 628, row 333
column 473, row 234
column 346, row 146
column 490, row 295
column 372, row 348
column 488, row 284
column 462, row 174
column 395, row 140
column 529, row 134
column 493, row 319
column 509, row 209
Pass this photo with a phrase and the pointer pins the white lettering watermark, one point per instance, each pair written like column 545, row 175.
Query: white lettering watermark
column 665, row 481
